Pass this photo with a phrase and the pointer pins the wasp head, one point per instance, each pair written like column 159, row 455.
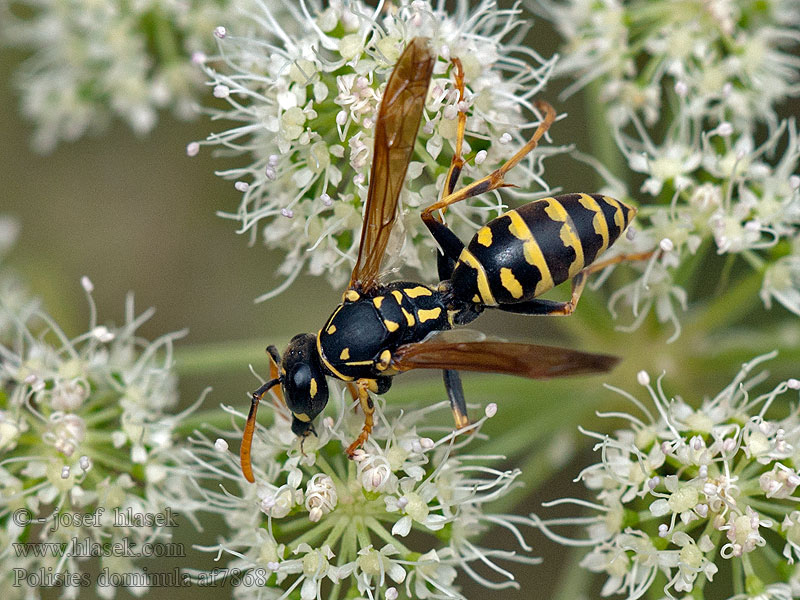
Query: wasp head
column 303, row 380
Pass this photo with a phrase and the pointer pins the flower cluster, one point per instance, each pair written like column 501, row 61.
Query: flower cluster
column 86, row 434
column 684, row 487
column 319, row 524
column 91, row 61
column 305, row 109
column 689, row 93
column 730, row 57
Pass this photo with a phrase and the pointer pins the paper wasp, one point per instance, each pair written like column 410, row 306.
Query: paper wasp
column 382, row 329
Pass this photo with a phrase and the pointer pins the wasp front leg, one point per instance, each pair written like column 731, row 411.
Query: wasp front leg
column 364, row 386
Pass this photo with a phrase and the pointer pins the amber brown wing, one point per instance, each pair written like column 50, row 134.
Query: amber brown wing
column 395, row 133
column 524, row 360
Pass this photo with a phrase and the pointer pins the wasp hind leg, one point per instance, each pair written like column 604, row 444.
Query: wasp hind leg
column 450, row 245
column 559, row 309
column 496, row 179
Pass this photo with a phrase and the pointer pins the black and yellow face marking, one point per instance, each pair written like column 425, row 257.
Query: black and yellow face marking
column 527, row 251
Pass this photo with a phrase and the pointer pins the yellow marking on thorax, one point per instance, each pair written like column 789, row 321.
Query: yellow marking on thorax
column 569, row 234
column 415, row 292
column 391, row 325
column 351, row 296
column 599, row 220
column 483, row 283
column 398, row 296
column 377, row 301
column 345, row 354
column 358, row 363
column 485, row 236
column 409, row 317
column 313, row 388
column 301, row 417
column 619, row 217
column 533, row 254
column 331, row 330
column 327, row 363
column 510, row 282
column 428, row 315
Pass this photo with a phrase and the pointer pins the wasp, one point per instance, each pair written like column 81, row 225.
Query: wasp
column 382, row 329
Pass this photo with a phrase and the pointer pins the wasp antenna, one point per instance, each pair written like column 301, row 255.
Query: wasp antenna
column 250, row 428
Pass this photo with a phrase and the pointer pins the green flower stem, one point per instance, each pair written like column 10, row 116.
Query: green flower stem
column 107, row 460
column 336, row 532
column 314, row 533
column 349, row 545
column 574, row 580
column 602, row 145
column 738, row 577
column 379, row 530
column 361, row 532
column 727, row 308
column 95, row 419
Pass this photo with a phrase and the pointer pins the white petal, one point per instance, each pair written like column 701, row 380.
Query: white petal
column 402, row 527
column 396, row 572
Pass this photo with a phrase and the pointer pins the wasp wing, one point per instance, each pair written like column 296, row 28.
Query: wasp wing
column 395, row 134
column 524, row 360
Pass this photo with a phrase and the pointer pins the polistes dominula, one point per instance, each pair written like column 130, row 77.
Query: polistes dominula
column 382, row 329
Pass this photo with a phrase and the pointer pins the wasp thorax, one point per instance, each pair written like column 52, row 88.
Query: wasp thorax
column 303, row 381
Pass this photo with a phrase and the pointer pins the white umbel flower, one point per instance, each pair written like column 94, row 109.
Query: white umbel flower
column 87, row 431
column 350, row 523
column 305, row 108
column 684, row 488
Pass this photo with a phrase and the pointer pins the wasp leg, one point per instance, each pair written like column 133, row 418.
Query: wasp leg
column 455, row 393
column 558, row 309
column 496, row 179
column 369, row 408
column 451, row 246
column 457, row 162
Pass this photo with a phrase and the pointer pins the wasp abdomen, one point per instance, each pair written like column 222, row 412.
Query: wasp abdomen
column 527, row 251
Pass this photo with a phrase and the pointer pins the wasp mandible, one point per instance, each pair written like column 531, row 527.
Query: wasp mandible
column 382, row 329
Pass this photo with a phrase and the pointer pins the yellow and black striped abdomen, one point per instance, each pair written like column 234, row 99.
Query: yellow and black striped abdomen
column 525, row 252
